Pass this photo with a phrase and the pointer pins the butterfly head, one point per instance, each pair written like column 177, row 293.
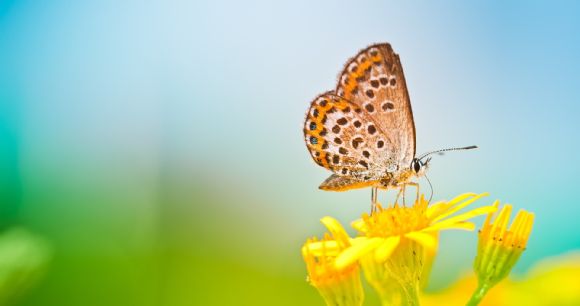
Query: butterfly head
column 419, row 166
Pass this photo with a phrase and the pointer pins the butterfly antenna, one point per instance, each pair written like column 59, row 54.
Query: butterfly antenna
column 446, row 150
column 431, row 187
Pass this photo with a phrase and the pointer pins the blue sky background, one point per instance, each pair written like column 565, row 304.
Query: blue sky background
column 108, row 109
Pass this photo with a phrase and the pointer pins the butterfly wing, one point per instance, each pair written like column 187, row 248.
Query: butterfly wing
column 374, row 81
column 342, row 138
column 336, row 182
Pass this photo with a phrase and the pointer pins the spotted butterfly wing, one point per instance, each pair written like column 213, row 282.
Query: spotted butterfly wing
column 344, row 139
column 374, row 81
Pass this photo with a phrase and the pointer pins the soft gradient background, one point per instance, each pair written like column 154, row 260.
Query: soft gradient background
column 157, row 145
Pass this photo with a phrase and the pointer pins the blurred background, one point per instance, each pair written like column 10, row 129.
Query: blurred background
column 151, row 152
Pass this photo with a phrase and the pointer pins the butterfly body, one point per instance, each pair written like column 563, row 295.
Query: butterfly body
column 363, row 131
column 389, row 180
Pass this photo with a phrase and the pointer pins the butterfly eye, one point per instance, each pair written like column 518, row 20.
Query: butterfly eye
column 416, row 166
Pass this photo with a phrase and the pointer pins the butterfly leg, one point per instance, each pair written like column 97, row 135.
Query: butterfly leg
column 402, row 191
column 415, row 185
column 399, row 194
column 374, row 193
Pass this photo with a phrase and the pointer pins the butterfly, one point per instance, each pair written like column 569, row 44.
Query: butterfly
column 364, row 131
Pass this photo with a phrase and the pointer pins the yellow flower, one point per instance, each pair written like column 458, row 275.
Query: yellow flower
column 553, row 281
column 337, row 286
column 387, row 228
column 399, row 242
column 499, row 248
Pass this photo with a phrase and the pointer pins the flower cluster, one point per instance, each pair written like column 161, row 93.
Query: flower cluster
column 337, row 286
column 395, row 247
column 499, row 248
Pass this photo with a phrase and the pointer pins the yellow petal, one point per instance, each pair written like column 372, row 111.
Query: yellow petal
column 337, row 231
column 359, row 225
column 460, row 206
column 462, row 197
column 521, row 227
column 436, row 209
column 386, row 248
column 463, row 217
column 500, row 224
column 319, row 248
column 429, row 241
column 358, row 249
column 440, row 207
column 488, row 218
column 528, row 229
column 463, row 225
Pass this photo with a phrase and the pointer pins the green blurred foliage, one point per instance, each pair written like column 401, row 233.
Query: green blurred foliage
column 23, row 260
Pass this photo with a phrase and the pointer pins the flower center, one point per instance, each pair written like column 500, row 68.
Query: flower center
column 395, row 221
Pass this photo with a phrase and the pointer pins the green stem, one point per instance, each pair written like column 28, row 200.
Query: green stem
column 413, row 295
column 478, row 294
column 389, row 297
column 410, row 295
